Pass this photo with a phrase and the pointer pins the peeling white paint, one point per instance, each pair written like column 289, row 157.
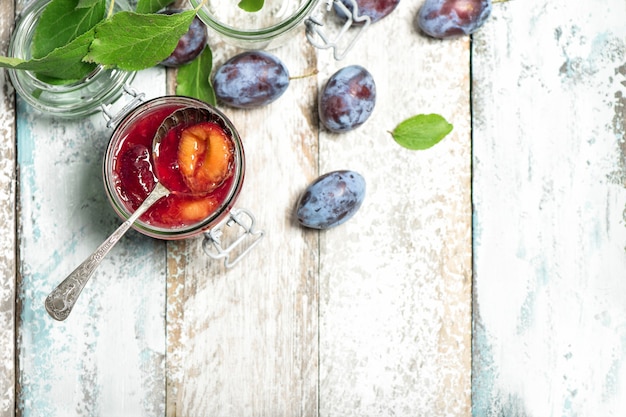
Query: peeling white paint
column 550, row 238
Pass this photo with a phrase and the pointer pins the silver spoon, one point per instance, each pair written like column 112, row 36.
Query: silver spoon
column 61, row 300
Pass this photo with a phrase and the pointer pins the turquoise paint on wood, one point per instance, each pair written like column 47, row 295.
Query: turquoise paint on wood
column 549, row 197
column 112, row 346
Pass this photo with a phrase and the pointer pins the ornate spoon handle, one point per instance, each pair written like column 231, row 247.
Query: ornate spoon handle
column 61, row 300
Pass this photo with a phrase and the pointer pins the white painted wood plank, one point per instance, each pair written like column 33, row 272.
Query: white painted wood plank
column 243, row 342
column 7, row 226
column 550, row 196
column 395, row 280
column 107, row 358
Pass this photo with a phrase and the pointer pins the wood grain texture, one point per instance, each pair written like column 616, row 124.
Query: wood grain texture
column 550, row 197
column 371, row 318
column 107, row 358
column 7, row 226
column 395, row 281
column 243, row 341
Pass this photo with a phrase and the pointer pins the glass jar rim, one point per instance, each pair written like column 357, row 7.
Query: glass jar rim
column 189, row 230
column 260, row 33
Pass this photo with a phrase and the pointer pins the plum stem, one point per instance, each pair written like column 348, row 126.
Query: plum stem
column 297, row 77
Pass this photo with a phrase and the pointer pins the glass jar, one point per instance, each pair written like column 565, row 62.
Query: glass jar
column 266, row 29
column 278, row 20
column 166, row 118
column 81, row 98
column 138, row 127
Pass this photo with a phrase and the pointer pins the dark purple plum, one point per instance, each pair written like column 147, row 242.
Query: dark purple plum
column 251, row 79
column 348, row 99
column 331, row 200
column 189, row 46
column 444, row 19
column 375, row 9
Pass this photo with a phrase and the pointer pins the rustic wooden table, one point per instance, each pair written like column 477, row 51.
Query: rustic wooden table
column 485, row 276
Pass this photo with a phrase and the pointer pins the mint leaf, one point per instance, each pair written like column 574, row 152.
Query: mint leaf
column 133, row 41
column 251, row 5
column 63, row 63
column 151, row 6
column 61, row 22
column 422, row 131
column 193, row 79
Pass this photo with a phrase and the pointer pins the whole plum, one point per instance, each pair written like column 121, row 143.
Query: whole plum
column 348, row 98
column 251, row 79
column 444, row 19
column 189, row 46
column 375, row 9
column 331, row 199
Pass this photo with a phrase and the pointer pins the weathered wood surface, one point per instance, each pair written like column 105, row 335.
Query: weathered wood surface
column 243, row 341
column 7, row 225
column 370, row 318
column 549, row 186
column 395, row 283
column 107, row 358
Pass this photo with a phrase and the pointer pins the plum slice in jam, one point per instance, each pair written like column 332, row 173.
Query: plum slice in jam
column 205, row 156
column 196, row 163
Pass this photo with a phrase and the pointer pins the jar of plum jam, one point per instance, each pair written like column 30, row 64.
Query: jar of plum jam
column 201, row 163
column 75, row 99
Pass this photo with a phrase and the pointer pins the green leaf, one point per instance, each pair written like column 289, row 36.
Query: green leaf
column 133, row 41
column 63, row 63
column 82, row 4
column 251, row 5
column 194, row 78
column 61, row 22
column 151, row 6
column 422, row 131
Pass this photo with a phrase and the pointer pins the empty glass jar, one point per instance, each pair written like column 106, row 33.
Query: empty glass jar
column 265, row 29
column 80, row 98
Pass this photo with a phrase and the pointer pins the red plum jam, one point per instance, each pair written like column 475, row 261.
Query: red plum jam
column 201, row 163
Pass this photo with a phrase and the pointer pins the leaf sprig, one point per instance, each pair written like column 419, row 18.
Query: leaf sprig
column 126, row 40
column 132, row 41
column 73, row 37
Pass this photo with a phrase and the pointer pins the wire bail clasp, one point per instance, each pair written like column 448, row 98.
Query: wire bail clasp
column 318, row 38
column 114, row 117
column 249, row 237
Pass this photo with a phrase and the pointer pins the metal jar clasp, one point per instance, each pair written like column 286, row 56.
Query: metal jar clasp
column 319, row 38
column 112, row 116
column 244, row 240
